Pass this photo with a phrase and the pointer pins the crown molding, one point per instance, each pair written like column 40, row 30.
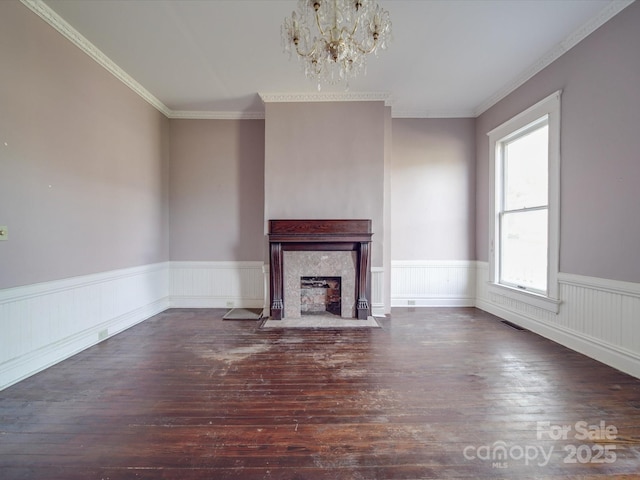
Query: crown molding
column 57, row 22
column 606, row 14
column 326, row 97
column 432, row 114
column 210, row 115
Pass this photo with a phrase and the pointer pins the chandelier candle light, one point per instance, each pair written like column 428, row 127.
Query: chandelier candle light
column 345, row 32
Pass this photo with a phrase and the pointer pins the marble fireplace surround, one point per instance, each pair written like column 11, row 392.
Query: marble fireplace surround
column 299, row 264
column 333, row 242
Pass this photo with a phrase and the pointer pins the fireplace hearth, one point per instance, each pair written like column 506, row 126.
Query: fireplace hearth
column 319, row 248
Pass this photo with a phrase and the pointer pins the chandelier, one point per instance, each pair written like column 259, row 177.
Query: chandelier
column 344, row 33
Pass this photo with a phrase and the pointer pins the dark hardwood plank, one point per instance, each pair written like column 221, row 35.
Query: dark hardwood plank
column 186, row 395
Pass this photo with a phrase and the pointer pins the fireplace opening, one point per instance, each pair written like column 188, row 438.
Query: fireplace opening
column 320, row 296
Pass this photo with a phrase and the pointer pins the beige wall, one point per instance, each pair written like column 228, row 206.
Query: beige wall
column 433, row 189
column 326, row 160
column 220, row 185
column 217, row 190
column 84, row 166
column 83, row 180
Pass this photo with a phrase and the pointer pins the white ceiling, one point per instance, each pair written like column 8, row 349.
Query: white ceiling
column 447, row 58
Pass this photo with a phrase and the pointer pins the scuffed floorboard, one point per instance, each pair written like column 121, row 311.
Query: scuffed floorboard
column 434, row 393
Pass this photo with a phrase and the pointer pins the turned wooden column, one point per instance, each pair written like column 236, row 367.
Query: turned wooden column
column 363, row 310
column 275, row 280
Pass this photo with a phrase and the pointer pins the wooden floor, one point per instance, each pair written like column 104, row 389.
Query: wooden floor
column 435, row 393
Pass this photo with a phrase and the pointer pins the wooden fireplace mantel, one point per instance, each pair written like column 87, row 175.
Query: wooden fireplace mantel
column 320, row 235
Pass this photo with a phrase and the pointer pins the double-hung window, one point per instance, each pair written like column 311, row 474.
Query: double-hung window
column 525, row 172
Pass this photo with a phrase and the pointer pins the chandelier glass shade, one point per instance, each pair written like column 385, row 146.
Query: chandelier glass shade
column 332, row 38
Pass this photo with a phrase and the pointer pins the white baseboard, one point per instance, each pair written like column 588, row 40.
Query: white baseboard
column 45, row 323
column 597, row 317
column 433, row 302
column 433, row 283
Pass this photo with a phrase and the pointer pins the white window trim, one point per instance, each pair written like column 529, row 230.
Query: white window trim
column 548, row 106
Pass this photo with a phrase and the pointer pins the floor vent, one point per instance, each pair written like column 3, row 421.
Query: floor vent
column 512, row 325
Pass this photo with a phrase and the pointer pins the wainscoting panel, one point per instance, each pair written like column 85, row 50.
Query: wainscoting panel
column 598, row 317
column 433, row 283
column 217, row 284
column 45, row 323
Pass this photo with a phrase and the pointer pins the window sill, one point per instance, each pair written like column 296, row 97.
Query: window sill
column 534, row 299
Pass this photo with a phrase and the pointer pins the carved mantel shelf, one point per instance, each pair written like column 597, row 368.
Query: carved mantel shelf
column 320, row 235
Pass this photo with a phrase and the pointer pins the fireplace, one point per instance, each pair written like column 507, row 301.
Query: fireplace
column 319, row 248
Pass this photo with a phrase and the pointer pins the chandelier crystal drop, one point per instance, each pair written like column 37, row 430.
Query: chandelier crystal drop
column 332, row 38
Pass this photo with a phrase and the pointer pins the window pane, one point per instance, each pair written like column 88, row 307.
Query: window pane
column 524, row 249
column 526, row 170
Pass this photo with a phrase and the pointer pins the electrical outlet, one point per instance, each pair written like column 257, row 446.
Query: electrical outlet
column 229, row 304
column 102, row 334
column 411, row 302
column 4, row 232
